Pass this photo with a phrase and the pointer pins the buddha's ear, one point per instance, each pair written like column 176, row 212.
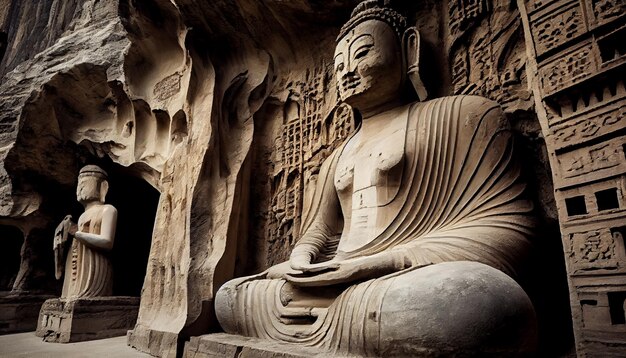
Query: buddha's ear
column 411, row 49
column 104, row 188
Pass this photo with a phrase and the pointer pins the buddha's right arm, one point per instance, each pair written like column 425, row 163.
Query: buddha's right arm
column 103, row 240
column 310, row 245
column 325, row 219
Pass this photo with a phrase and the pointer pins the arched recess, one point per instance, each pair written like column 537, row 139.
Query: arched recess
column 11, row 239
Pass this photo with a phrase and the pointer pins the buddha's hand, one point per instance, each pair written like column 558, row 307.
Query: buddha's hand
column 358, row 269
column 79, row 235
column 309, row 268
column 73, row 229
column 302, row 256
column 297, row 262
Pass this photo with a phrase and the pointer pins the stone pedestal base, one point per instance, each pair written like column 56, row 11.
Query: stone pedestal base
column 156, row 343
column 85, row 319
column 231, row 346
column 19, row 312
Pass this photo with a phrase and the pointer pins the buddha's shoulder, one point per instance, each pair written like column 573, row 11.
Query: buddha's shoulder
column 467, row 103
column 109, row 209
column 467, row 107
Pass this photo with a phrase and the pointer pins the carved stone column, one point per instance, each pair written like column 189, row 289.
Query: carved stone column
column 577, row 58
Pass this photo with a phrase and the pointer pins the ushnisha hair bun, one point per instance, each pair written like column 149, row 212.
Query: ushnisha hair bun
column 374, row 10
column 93, row 170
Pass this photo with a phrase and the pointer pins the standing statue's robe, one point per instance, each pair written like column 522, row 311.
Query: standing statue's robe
column 88, row 272
column 460, row 199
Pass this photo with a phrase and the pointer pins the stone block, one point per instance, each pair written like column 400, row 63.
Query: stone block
column 18, row 313
column 231, row 346
column 84, row 319
column 154, row 342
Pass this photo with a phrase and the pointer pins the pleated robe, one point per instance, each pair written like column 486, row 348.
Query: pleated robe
column 88, row 271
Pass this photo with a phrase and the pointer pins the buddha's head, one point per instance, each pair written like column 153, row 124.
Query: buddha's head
column 92, row 184
column 375, row 55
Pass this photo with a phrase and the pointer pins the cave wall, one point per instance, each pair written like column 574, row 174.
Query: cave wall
column 227, row 109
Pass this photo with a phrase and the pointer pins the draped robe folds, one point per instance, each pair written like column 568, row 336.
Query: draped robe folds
column 461, row 199
column 88, row 271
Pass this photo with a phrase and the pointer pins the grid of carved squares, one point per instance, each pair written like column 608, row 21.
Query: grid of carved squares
column 600, row 305
column 593, row 200
column 581, row 57
column 306, row 140
column 556, row 23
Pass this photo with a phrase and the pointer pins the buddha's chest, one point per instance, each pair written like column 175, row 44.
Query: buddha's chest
column 369, row 170
column 368, row 179
column 90, row 221
column 370, row 164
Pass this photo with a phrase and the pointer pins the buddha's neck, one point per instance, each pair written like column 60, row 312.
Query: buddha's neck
column 373, row 119
column 92, row 204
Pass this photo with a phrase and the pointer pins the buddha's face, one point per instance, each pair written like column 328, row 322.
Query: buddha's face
column 368, row 65
column 88, row 188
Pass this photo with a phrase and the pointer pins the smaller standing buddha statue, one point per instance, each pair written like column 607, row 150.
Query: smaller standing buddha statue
column 88, row 270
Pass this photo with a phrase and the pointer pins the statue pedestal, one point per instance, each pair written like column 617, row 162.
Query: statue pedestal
column 232, row 346
column 84, row 319
column 19, row 312
column 153, row 342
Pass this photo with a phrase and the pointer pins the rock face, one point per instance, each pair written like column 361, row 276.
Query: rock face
column 228, row 108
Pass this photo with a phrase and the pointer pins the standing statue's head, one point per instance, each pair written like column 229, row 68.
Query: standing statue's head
column 375, row 55
column 92, row 184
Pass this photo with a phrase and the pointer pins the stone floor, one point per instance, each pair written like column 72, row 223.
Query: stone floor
column 28, row 345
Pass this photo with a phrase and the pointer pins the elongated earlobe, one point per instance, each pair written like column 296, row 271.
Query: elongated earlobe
column 104, row 188
column 411, row 49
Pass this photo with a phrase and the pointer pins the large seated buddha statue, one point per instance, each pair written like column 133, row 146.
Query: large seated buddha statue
column 418, row 226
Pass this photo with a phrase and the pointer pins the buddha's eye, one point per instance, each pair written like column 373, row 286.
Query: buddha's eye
column 339, row 67
column 361, row 52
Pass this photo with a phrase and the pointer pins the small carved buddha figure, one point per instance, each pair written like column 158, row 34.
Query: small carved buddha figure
column 417, row 225
column 88, row 271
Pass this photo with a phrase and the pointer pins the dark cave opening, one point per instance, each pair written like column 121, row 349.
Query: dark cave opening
column 136, row 202
column 10, row 256
column 3, row 44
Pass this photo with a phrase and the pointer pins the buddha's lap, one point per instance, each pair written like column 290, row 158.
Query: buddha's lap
column 468, row 303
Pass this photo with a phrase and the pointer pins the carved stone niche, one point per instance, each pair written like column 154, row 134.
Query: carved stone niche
column 19, row 300
column 89, row 256
column 67, row 101
column 24, row 283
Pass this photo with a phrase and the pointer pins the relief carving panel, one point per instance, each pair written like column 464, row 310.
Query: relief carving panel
column 581, row 100
column 307, row 137
column 597, row 123
column 606, row 10
column 558, row 27
column 596, row 250
column 487, row 53
column 168, row 87
column 569, row 69
column 594, row 158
